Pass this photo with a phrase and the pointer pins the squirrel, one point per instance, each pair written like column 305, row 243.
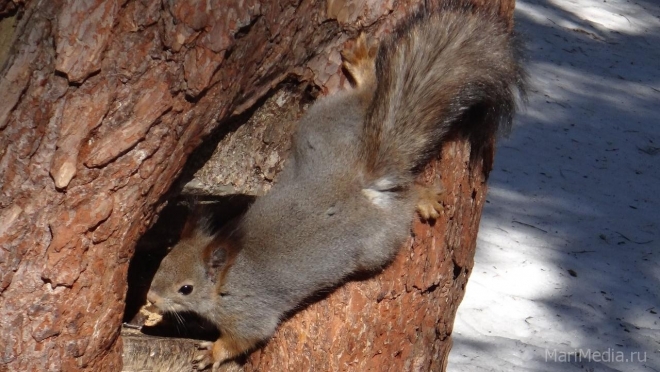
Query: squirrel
column 346, row 197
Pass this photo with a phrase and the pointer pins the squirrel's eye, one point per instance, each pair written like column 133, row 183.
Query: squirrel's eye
column 185, row 289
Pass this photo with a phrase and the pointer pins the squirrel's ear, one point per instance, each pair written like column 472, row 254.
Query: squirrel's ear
column 216, row 259
column 220, row 253
column 216, row 256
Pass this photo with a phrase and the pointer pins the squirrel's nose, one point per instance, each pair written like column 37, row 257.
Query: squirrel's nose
column 152, row 297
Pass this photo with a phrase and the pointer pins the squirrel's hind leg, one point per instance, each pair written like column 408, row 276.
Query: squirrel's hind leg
column 429, row 204
column 359, row 61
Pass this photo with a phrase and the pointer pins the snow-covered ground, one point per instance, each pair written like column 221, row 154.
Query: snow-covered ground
column 567, row 272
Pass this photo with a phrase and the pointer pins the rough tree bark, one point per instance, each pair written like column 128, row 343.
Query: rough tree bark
column 102, row 101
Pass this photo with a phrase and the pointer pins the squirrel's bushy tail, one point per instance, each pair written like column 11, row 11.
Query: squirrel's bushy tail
column 431, row 72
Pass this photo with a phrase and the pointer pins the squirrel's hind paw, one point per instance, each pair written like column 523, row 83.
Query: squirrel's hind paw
column 429, row 205
column 360, row 61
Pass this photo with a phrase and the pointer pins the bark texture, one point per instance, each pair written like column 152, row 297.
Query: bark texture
column 101, row 103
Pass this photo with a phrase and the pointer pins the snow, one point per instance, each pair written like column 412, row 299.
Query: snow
column 567, row 271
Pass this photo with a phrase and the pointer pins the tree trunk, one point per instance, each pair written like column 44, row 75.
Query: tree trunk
column 102, row 102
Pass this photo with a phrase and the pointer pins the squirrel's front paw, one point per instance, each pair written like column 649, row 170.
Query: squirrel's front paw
column 204, row 359
column 429, row 205
column 211, row 354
